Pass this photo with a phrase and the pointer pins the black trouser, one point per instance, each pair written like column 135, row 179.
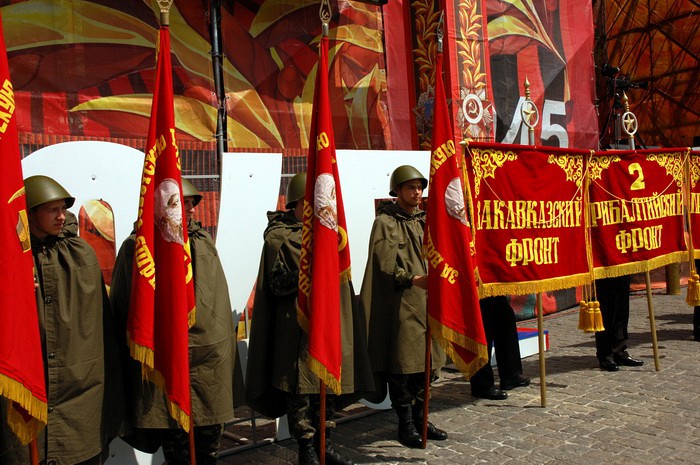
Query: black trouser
column 614, row 297
column 500, row 330
column 176, row 445
column 303, row 414
column 406, row 390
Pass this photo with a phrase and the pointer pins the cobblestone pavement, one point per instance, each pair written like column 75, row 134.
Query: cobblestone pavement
column 634, row 416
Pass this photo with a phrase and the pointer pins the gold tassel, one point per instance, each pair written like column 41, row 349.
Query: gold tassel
column 583, row 316
column 589, row 317
column 693, row 295
column 597, row 317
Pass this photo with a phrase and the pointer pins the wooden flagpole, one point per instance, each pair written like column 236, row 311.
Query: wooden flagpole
column 33, row 452
column 629, row 126
column 531, row 117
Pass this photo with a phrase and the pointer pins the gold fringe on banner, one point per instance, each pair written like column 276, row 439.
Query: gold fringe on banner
column 533, row 287
column 640, row 267
column 141, row 354
column 175, row 411
column 191, row 317
column 446, row 337
column 15, row 391
column 324, row 375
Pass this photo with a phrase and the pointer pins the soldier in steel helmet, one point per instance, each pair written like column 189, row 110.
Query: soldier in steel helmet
column 394, row 296
column 212, row 347
column 81, row 359
column 278, row 379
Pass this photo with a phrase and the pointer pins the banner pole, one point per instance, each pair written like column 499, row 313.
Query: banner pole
column 426, row 386
column 193, row 458
column 322, row 424
column 541, row 349
column 33, row 452
column 531, row 116
column 629, row 126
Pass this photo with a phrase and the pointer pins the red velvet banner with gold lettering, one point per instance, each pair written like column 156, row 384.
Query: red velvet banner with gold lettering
column 694, row 201
column 162, row 294
column 325, row 254
column 636, row 210
column 527, row 205
column 21, row 362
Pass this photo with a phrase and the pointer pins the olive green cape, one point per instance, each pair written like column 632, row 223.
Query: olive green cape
column 278, row 349
column 81, row 359
column 212, row 342
column 396, row 311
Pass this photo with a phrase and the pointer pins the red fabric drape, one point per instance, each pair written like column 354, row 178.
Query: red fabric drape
column 162, row 296
column 636, row 209
column 453, row 300
column 528, row 212
column 21, row 364
column 325, row 255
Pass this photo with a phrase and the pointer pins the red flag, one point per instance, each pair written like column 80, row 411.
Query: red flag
column 325, row 255
column 21, row 363
column 162, row 294
column 453, row 301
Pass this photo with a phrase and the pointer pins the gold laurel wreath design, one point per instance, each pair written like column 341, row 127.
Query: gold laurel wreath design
column 485, row 163
column 572, row 165
column 673, row 162
column 596, row 165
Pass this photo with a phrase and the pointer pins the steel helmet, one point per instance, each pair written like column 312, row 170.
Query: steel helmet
column 402, row 174
column 188, row 190
column 42, row 189
column 296, row 189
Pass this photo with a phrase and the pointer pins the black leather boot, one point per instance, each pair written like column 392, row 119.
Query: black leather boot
column 408, row 435
column 307, row 452
column 434, row 433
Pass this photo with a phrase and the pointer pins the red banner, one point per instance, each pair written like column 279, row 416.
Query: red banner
column 694, row 201
column 325, row 255
column 162, row 295
column 453, row 300
column 636, row 210
column 21, row 362
column 527, row 205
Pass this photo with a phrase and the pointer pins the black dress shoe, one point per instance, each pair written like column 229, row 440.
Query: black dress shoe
column 435, row 433
column 518, row 381
column 609, row 365
column 629, row 361
column 491, row 393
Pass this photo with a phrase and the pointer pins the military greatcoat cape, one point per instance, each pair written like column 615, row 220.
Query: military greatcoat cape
column 212, row 342
column 81, row 358
column 395, row 310
column 278, row 351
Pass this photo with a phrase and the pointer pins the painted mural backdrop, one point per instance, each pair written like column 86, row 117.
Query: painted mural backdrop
column 495, row 46
column 84, row 69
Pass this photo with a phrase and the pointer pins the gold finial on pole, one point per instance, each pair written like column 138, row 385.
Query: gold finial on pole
column 440, row 31
column 325, row 14
column 529, row 113
column 165, row 11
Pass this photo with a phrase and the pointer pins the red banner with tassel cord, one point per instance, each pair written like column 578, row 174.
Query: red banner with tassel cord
column 636, row 210
column 325, row 253
column 162, row 305
column 21, row 362
column 528, row 210
column 693, row 204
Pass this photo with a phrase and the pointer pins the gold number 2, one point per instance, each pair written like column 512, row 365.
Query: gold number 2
column 638, row 183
